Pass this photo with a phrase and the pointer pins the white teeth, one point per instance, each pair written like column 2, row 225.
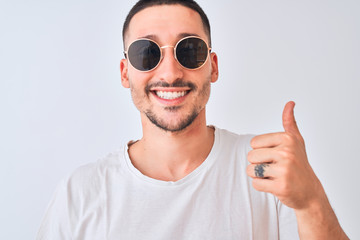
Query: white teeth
column 170, row 95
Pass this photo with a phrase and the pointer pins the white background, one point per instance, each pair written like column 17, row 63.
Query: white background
column 62, row 104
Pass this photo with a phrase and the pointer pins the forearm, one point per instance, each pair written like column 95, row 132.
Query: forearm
column 318, row 221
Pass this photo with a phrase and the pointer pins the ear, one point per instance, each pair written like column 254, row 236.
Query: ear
column 124, row 73
column 214, row 67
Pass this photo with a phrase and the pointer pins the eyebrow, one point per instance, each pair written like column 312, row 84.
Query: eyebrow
column 179, row 36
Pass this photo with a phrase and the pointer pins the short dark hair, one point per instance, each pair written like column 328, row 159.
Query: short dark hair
column 142, row 4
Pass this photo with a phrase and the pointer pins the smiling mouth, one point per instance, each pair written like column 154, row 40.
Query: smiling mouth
column 170, row 95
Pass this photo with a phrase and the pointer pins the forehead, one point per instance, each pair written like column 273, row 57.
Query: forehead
column 165, row 23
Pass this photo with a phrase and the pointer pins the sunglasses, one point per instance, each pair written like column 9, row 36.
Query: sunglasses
column 145, row 54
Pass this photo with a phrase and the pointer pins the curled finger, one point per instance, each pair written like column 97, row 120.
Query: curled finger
column 262, row 170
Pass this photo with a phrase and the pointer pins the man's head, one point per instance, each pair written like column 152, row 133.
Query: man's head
column 142, row 4
column 170, row 95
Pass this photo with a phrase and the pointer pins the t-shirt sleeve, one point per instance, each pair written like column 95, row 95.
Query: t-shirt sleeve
column 287, row 222
column 55, row 224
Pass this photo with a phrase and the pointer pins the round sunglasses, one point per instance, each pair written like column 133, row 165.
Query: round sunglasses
column 145, row 54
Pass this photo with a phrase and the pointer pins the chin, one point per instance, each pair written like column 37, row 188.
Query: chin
column 173, row 126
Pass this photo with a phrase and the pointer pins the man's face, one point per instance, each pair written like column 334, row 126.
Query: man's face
column 170, row 96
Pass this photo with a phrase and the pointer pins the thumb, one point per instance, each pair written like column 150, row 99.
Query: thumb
column 288, row 119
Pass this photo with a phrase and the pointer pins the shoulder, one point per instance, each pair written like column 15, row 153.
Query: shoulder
column 232, row 149
column 91, row 177
column 231, row 140
column 77, row 195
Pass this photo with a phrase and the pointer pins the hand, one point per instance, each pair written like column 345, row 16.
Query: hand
column 279, row 165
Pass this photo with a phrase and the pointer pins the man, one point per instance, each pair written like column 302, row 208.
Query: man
column 184, row 179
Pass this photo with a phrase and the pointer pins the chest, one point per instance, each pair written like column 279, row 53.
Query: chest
column 217, row 207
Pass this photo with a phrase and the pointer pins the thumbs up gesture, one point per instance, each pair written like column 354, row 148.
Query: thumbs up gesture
column 279, row 165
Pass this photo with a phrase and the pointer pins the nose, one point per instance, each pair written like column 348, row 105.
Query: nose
column 169, row 69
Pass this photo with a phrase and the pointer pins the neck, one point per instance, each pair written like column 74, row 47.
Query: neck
column 170, row 156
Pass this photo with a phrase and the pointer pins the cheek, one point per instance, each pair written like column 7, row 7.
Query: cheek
column 137, row 98
column 136, row 81
column 137, row 91
column 205, row 91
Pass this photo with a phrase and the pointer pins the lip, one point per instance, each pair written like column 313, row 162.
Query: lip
column 170, row 102
column 170, row 89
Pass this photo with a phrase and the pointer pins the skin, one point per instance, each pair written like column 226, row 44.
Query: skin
column 289, row 176
column 181, row 151
column 170, row 155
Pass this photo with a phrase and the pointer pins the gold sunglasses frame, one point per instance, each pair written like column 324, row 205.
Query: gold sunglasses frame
column 168, row 46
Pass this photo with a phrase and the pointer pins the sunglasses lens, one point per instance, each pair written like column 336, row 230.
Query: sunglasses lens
column 144, row 55
column 191, row 52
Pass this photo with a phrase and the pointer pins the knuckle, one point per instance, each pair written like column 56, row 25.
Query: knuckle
column 250, row 155
column 253, row 142
column 249, row 170
column 286, row 153
column 256, row 185
column 288, row 138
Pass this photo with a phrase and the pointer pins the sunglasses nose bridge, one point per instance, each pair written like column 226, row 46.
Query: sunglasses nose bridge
column 167, row 46
column 169, row 69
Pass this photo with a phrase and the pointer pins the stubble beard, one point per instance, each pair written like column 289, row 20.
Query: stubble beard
column 167, row 126
column 183, row 124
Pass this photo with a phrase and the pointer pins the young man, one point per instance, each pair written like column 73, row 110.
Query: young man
column 184, row 179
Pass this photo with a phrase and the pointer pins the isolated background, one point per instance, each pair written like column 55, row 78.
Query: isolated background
column 62, row 104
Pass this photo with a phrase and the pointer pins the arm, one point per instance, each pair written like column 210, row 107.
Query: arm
column 319, row 221
column 279, row 165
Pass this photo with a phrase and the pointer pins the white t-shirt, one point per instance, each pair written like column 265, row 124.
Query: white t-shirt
column 111, row 199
